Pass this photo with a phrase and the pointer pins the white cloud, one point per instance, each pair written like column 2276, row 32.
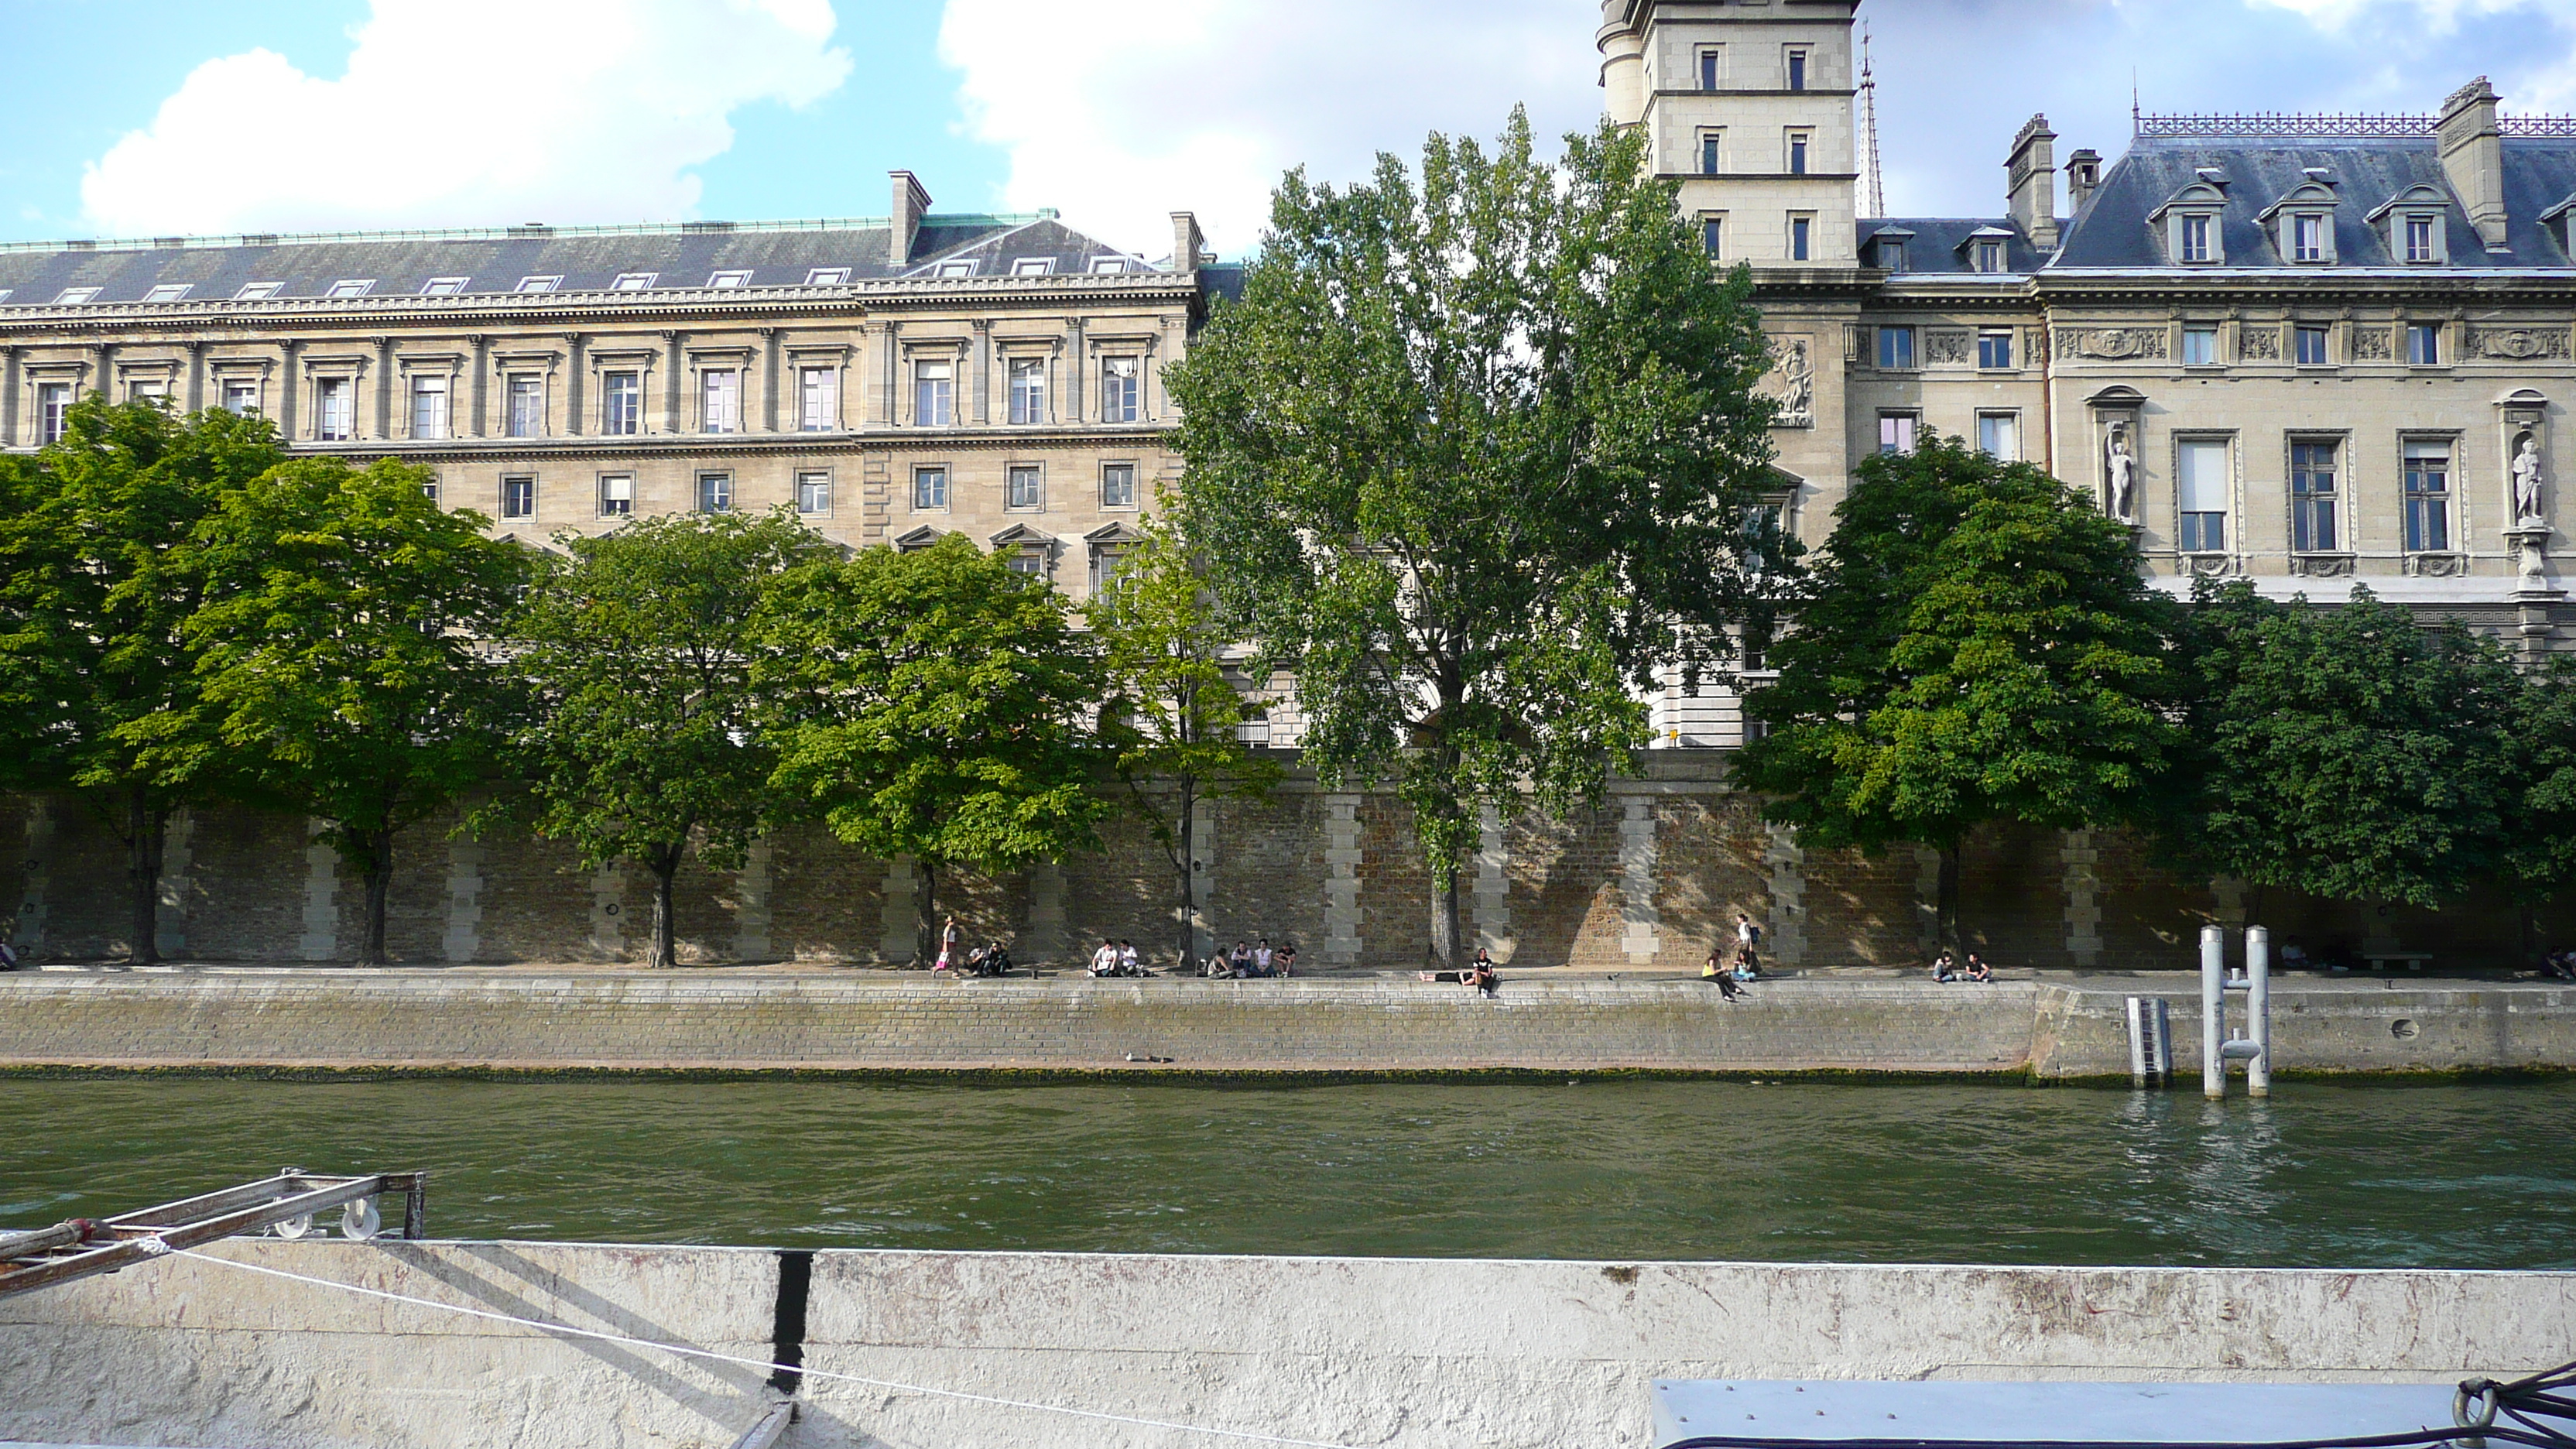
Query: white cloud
column 459, row 112
column 1204, row 107
column 2442, row 16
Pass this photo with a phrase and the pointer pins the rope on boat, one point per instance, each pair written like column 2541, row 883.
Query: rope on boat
column 807, row 1370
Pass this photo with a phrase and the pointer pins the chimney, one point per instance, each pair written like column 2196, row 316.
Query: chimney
column 2473, row 158
column 2083, row 173
column 910, row 201
column 2032, row 183
column 1186, row 242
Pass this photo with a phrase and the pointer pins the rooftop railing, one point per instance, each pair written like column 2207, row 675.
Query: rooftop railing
column 2292, row 124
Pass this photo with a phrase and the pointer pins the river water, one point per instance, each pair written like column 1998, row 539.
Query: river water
column 2360, row 1175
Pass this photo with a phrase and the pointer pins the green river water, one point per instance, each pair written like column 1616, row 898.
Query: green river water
column 2359, row 1175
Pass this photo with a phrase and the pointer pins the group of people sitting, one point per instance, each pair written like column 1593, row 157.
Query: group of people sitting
column 1946, row 967
column 2560, row 964
column 1245, row 962
column 1729, row 975
column 989, row 959
column 1117, row 958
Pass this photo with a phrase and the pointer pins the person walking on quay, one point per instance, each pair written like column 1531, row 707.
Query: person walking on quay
column 1747, row 936
column 952, row 947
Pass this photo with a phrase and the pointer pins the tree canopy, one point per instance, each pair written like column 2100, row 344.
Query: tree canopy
column 1474, row 454
column 1975, row 644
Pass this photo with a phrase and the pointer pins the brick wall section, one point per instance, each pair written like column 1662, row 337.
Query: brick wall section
column 1711, row 853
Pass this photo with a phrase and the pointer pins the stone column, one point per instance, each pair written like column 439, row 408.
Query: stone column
column 674, row 372
column 463, row 938
column 1638, row 857
column 288, row 376
column 983, row 329
column 1787, row 879
column 1047, row 937
column 106, row 352
column 321, row 939
column 31, row 903
column 896, row 938
column 10, row 380
column 482, row 383
column 1342, row 942
column 890, row 364
column 384, row 388
column 196, row 378
column 751, row 904
column 769, row 379
column 2083, row 898
column 578, row 344
column 170, row 914
column 1075, row 370
column 1492, row 896
column 608, row 912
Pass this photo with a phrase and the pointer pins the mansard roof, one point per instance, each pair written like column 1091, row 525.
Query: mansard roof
column 587, row 259
column 2115, row 226
column 1940, row 244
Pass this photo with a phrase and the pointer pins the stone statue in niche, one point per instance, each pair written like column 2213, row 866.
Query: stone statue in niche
column 2121, row 476
column 2529, row 476
column 1797, row 385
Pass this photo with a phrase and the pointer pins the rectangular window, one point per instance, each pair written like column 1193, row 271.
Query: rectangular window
column 1999, row 435
column 2424, row 344
column 1028, row 390
column 2311, row 347
column 818, row 399
column 1896, row 432
column 1712, row 235
column 255, row 291
column 429, row 405
column 1994, row 350
column 720, row 401
column 1120, row 386
column 622, row 404
column 146, row 387
column 2200, row 347
column 729, row 279
column 2201, row 478
column 2307, row 238
column 715, row 493
column 429, row 490
column 1712, row 68
column 1711, row 145
column 634, row 281
column 616, row 495
column 1891, row 255
column 1108, row 561
column 2419, row 238
column 1020, row 486
column 352, row 287
column 335, row 409
column 930, row 488
column 173, row 292
column 2312, row 497
column 1108, row 266
column 934, row 393
column 1032, row 266
column 1801, row 228
column 1896, row 349
column 527, row 416
column 75, row 296
column 53, row 404
column 539, row 284
column 1797, row 153
column 519, row 498
column 443, row 286
column 1118, row 485
column 1797, row 70
column 961, row 268
column 1027, row 559
column 241, row 396
column 827, row 276
column 2195, row 238
column 1990, row 256
column 2428, row 497
column 814, row 493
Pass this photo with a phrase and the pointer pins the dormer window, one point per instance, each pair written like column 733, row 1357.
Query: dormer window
column 1990, row 256
column 2303, row 222
column 2307, row 239
column 2190, row 221
column 2415, row 226
column 2419, row 238
column 2195, row 238
column 1891, row 255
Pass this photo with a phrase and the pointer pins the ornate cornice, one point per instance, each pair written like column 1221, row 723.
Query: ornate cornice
column 694, row 445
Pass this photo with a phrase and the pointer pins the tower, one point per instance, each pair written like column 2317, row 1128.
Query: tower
column 1749, row 104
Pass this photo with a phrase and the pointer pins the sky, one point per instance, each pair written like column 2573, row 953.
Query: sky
column 160, row 117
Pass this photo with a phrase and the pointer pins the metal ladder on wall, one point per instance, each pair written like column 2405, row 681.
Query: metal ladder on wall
column 286, row 1203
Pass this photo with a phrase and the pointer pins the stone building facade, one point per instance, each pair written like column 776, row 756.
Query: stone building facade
column 2312, row 352
column 891, row 379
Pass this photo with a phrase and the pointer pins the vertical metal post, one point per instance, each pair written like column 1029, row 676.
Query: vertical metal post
column 2137, row 1042
column 416, row 1208
column 2213, row 1013
column 2258, row 1010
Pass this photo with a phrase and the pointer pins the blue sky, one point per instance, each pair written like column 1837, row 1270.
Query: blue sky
column 154, row 116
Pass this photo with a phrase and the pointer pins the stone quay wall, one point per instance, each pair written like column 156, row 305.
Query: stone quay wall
column 1323, row 1350
column 1648, row 879
column 262, row 1019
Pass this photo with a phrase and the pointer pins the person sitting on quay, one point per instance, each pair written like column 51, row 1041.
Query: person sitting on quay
column 1480, row 976
column 1716, row 970
column 1104, row 962
column 1239, row 961
column 1286, row 960
column 1262, row 956
column 1129, row 963
column 1978, row 970
column 2560, row 964
column 1945, row 967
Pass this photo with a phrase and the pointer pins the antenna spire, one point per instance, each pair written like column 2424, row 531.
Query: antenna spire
column 1874, row 197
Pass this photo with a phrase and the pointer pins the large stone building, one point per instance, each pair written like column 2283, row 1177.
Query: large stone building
column 891, row 379
column 2307, row 351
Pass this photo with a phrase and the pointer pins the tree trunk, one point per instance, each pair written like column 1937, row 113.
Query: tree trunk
column 1946, row 908
column 1189, row 866
column 664, row 861
column 925, row 934
column 378, row 875
column 1444, row 919
column 145, row 832
column 2254, row 910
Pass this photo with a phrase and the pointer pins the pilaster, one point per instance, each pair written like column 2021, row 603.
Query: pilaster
column 321, row 939
column 1202, row 874
column 1047, row 937
column 900, row 917
column 1638, row 856
column 463, row 938
column 1786, row 866
column 2082, row 883
column 170, row 908
column 40, row 848
column 751, row 918
column 1342, row 880
column 608, row 911
column 1492, row 897
column 1927, row 896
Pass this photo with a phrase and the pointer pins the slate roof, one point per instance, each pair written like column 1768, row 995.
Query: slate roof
column 1939, row 243
column 586, row 258
column 2112, row 229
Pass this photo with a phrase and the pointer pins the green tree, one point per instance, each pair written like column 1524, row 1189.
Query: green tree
column 2350, row 752
column 2540, row 818
column 1172, row 718
column 95, row 666
column 1473, row 455
column 639, row 731
column 931, row 705
column 1976, row 645
column 339, row 652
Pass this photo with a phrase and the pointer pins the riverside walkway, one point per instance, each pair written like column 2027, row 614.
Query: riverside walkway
column 612, row 1019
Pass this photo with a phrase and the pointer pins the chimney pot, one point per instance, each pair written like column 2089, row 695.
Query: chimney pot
column 2031, row 174
column 2473, row 158
column 911, row 203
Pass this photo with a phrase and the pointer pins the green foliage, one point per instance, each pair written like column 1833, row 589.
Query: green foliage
column 931, row 705
column 638, row 733
column 1473, row 455
column 1171, row 721
column 1976, row 645
column 2541, row 818
column 95, row 666
column 2350, row 752
column 338, row 655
